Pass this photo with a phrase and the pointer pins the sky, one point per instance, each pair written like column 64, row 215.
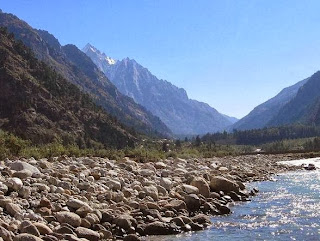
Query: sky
column 230, row 54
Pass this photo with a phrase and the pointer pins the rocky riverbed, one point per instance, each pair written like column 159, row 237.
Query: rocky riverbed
column 67, row 198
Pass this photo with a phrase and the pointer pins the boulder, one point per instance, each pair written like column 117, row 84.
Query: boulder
column 193, row 202
column 158, row 228
column 146, row 172
column 13, row 209
column 84, row 210
column 87, row 234
column 114, row 185
column 166, row 183
column 30, row 229
column 69, row 218
column 131, row 237
column 42, row 228
column 76, row 203
column 224, row 209
column 151, row 191
column 3, row 188
column 160, row 165
column 201, row 219
column 190, row 189
column 23, row 174
column 202, row 185
column 176, row 204
column 219, row 183
column 178, row 221
column 20, row 166
column 125, row 221
column 5, row 234
column 26, row 237
column 45, row 202
column 14, row 183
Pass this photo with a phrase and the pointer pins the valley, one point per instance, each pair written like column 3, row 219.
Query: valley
column 98, row 148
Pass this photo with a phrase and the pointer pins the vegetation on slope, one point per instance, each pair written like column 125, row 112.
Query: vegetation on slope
column 38, row 104
column 78, row 69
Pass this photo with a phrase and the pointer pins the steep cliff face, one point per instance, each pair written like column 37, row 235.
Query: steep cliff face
column 38, row 104
column 78, row 69
column 181, row 114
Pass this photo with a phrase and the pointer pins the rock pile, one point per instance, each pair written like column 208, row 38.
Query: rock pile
column 68, row 198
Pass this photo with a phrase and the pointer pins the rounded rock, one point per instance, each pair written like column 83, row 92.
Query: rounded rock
column 69, row 218
column 202, row 185
column 87, row 234
column 26, row 237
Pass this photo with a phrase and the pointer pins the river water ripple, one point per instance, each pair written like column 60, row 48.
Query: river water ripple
column 285, row 209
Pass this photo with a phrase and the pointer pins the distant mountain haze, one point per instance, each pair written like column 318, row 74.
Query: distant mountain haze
column 261, row 115
column 165, row 100
column 304, row 108
column 79, row 69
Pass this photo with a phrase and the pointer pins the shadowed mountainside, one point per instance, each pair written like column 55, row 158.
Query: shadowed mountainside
column 304, row 108
column 38, row 104
column 262, row 114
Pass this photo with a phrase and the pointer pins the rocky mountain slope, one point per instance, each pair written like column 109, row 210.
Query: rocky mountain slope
column 304, row 107
column 78, row 69
column 261, row 115
column 38, row 104
column 181, row 114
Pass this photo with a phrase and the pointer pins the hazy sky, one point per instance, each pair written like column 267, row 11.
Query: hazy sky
column 233, row 55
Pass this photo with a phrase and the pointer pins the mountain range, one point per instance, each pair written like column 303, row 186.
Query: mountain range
column 181, row 114
column 261, row 115
column 304, row 107
column 50, row 91
column 296, row 104
column 77, row 68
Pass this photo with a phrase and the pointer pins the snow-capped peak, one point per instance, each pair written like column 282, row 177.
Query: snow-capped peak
column 102, row 56
column 110, row 60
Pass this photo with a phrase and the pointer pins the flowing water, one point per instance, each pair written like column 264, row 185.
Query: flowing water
column 285, row 209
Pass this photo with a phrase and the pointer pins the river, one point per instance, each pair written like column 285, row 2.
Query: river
column 287, row 208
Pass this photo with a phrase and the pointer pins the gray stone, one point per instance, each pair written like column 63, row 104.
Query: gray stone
column 76, row 203
column 202, row 185
column 166, row 183
column 20, row 165
column 190, row 189
column 87, row 234
column 69, row 218
column 14, row 183
column 26, row 237
column 219, row 183
column 5, row 234
column 151, row 191
column 13, row 209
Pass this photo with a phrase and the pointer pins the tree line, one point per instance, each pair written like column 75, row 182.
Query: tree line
column 264, row 135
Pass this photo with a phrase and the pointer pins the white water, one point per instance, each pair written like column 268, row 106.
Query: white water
column 314, row 161
column 285, row 209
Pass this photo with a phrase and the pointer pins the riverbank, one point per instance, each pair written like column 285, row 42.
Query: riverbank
column 68, row 198
column 285, row 209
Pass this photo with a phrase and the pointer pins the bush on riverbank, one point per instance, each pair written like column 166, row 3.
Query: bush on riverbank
column 148, row 150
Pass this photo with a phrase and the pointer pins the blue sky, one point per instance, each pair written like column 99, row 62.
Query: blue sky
column 232, row 55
